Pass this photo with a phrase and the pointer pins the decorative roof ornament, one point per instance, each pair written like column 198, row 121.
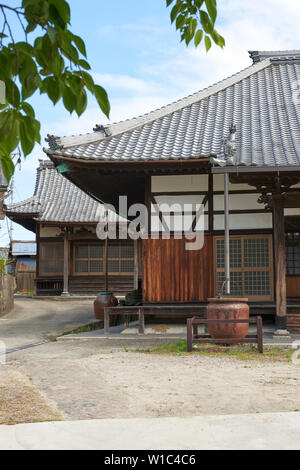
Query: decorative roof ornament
column 105, row 130
column 53, row 142
column 229, row 144
column 229, row 149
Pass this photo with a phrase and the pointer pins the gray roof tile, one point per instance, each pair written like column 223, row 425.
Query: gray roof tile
column 258, row 100
column 56, row 199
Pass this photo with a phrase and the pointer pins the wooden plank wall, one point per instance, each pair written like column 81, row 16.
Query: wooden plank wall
column 173, row 274
column 293, row 286
column 25, row 281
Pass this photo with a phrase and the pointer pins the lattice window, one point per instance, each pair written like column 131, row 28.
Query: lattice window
column 250, row 264
column 121, row 259
column 51, row 259
column 89, row 259
column 292, row 250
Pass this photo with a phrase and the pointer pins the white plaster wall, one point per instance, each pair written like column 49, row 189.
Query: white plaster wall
column 244, row 222
column 219, row 184
column 49, row 232
column 295, row 211
column 179, row 201
column 238, row 202
column 178, row 223
column 182, row 183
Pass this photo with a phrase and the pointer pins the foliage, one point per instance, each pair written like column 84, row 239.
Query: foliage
column 51, row 60
column 3, row 265
column 195, row 19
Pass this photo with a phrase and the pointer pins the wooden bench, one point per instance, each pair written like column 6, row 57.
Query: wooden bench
column 193, row 337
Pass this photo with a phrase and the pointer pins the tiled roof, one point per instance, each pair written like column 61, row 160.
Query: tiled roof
column 261, row 101
column 56, row 199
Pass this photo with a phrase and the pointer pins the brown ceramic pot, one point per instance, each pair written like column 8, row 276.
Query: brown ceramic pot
column 228, row 308
column 104, row 299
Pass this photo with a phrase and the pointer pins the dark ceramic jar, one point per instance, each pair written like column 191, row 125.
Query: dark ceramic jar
column 228, row 308
column 104, row 299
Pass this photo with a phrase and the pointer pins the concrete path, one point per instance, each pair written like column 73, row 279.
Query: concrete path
column 34, row 320
column 172, row 334
column 273, row 431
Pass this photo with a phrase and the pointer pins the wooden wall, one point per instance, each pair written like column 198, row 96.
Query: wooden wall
column 293, row 286
column 173, row 274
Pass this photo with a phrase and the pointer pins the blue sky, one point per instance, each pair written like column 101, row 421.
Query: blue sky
column 136, row 55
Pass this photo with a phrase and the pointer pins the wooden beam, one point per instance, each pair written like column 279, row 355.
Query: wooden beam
column 66, row 265
column 280, row 264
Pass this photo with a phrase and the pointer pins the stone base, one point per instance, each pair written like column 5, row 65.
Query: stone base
column 65, row 294
column 282, row 333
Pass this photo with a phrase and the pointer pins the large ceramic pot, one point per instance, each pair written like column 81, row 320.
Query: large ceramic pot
column 228, row 308
column 104, row 299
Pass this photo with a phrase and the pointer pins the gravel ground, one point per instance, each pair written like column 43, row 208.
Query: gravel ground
column 116, row 384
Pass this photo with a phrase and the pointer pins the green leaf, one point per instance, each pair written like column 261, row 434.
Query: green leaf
column 81, row 103
column 52, row 88
column 102, row 99
column 8, row 145
column 52, row 34
column 7, row 166
column 198, row 37
column 84, row 64
column 207, row 43
column 79, row 44
column 206, row 23
column 88, row 79
column 63, row 9
column 6, row 122
column 211, row 6
column 27, row 134
column 12, row 93
column 28, row 109
column 69, row 98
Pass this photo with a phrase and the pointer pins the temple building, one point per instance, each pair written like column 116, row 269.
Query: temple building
column 70, row 257
column 233, row 147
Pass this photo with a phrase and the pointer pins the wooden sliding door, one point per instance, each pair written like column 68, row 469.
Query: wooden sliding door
column 173, row 274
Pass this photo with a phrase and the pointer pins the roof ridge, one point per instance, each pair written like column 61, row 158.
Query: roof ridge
column 9, row 207
column 61, row 143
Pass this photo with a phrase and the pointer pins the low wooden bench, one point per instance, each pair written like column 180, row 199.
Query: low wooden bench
column 193, row 337
column 142, row 310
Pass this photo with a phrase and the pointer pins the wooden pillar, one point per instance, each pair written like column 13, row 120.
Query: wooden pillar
column 226, row 240
column 280, row 263
column 136, row 265
column 66, row 265
column 210, row 203
column 106, row 265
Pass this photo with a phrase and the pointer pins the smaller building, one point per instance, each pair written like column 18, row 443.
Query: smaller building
column 23, row 265
column 70, row 257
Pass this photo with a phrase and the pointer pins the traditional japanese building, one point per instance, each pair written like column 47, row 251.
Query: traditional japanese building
column 70, row 257
column 178, row 154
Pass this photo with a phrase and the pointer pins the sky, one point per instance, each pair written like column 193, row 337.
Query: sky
column 136, row 54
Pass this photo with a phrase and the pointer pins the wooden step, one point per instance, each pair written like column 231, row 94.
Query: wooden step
column 293, row 322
